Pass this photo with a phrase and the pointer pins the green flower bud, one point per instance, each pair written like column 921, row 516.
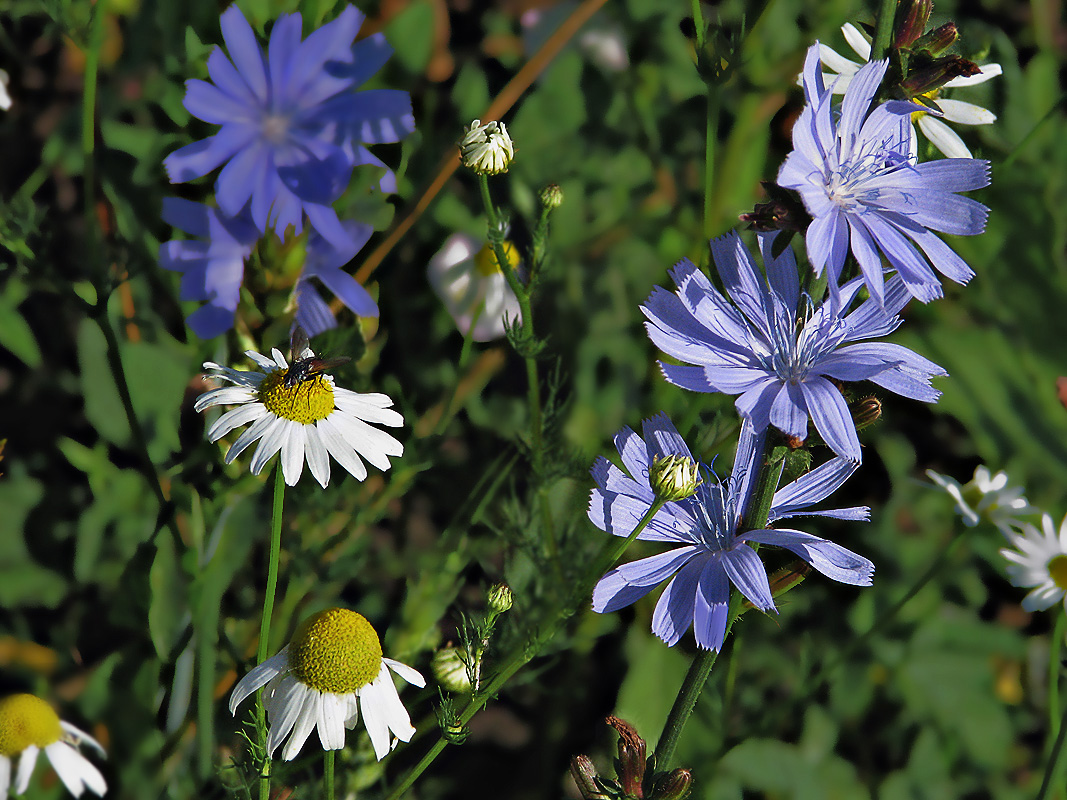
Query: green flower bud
column 450, row 670
column 552, row 196
column 499, row 598
column 584, row 774
column 673, row 786
column 674, row 477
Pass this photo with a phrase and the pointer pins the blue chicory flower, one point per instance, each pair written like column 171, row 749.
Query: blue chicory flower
column 714, row 549
column 212, row 264
column 776, row 350
column 293, row 127
column 858, row 178
column 325, row 263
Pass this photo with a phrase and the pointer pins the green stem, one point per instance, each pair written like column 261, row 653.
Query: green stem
column 264, row 625
column 711, row 141
column 755, row 517
column 883, row 31
column 533, row 384
column 1055, row 666
column 328, row 778
column 1053, row 760
column 518, row 660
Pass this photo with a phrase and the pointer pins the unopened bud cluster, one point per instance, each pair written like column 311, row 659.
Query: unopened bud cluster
column 487, row 149
column 674, row 477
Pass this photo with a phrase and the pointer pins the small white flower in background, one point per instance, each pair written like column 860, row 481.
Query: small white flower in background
column 487, row 149
column 5, row 98
column 296, row 408
column 465, row 275
column 941, row 135
column 1039, row 560
column 28, row 725
column 333, row 665
column 986, row 496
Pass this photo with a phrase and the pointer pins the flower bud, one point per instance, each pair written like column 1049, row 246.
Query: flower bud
column 912, row 17
column 584, row 774
column 938, row 40
column 673, row 786
column 450, row 670
column 552, row 196
column 487, row 149
column 866, row 412
column 499, row 598
column 674, row 477
column 936, row 73
column 630, row 765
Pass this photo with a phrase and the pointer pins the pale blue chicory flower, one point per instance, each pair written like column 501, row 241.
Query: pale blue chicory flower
column 776, row 350
column 325, row 263
column 212, row 264
column 858, row 178
column 293, row 127
column 714, row 549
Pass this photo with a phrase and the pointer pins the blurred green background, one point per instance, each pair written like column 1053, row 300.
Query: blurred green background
column 136, row 621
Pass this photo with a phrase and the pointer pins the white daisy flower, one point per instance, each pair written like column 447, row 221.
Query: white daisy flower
column 465, row 275
column 487, row 149
column 987, row 496
column 298, row 409
column 933, row 128
column 333, row 663
column 5, row 98
column 1039, row 560
column 29, row 725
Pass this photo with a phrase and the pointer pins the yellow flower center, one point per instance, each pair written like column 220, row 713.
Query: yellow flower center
column 335, row 651
column 26, row 720
column 1057, row 570
column 485, row 261
column 308, row 401
column 931, row 95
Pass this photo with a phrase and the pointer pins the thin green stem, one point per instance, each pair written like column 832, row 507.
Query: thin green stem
column 698, row 23
column 711, row 142
column 1055, row 667
column 883, row 31
column 328, row 777
column 264, row 625
column 755, row 517
column 1051, row 769
column 519, row 659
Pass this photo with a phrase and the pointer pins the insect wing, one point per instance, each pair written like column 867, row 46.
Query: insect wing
column 299, row 347
column 318, row 365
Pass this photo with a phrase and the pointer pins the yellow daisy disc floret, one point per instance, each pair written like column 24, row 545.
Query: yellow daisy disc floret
column 335, row 651
column 306, row 402
column 26, row 720
column 485, row 259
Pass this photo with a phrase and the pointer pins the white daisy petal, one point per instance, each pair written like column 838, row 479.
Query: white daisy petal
column 305, row 723
column 287, row 706
column 259, row 676
column 5, row 775
column 332, row 722
column 968, row 114
column 76, row 772
column 342, row 452
column 27, row 761
column 273, row 439
column 317, row 455
column 82, row 737
column 835, row 61
column 293, row 452
column 235, row 418
column 250, row 435
column 857, row 41
column 412, row 676
column 375, row 710
column 943, row 137
column 988, row 71
column 396, row 716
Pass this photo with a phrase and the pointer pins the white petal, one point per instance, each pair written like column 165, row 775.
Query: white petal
column 368, row 407
column 341, row 451
column 837, row 62
column 235, row 418
column 857, row 41
column 943, row 137
column 27, row 760
column 75, row 770
column 375, row 714
column 968, row 114
column 273, row 439
column 411, row 675
column 5, row 775
column 225, row 396
column 293, row 452
column 251, row 434
column 352, row 711
column 317, row 456
column 82, row 737
column 305, row 723
column 988, row 71
column 285, row 705
column 259, row 676
column 332, row 722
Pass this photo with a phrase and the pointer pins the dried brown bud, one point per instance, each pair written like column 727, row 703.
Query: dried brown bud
column 630, row 765
column 937, row 41
column 673, row 786
column 912, row 16
column 934, row 74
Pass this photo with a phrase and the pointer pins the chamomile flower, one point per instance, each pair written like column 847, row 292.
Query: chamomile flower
column 986, row 496
column 958, row 112
column 465, row 275
column 1039, row 560
column 28, row 725
column 297, row 409
column 333, row 664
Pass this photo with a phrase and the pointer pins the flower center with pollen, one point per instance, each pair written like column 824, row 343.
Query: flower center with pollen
column 307, row 401
column 26, row 720
column 485, row 260
column 1057, row 570
column 335, row 651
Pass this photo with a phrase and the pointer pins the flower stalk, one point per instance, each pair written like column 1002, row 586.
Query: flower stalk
column 264, row 625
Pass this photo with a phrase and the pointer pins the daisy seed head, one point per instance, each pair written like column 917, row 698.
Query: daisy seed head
column 335, row 651
column 27, row 721
column 307, row 402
